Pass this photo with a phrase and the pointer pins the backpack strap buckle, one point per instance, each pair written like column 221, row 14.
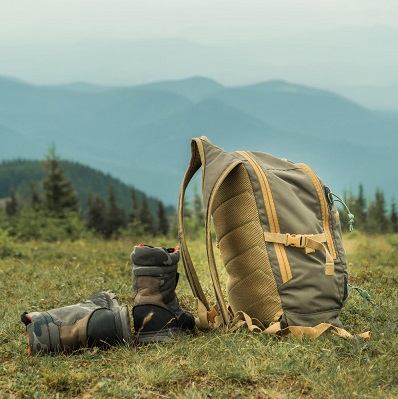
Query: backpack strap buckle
column 310, row 243
column 296, row 240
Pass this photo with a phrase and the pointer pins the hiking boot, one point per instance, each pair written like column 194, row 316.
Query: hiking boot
column 98, row 321
column 156, row 311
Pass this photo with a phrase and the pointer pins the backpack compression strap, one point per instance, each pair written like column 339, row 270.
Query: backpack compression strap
column 310, row 242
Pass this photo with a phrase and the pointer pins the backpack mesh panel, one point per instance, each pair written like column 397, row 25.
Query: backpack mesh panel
column 251, row 286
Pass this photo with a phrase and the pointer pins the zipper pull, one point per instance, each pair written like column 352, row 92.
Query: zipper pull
column 364, row 294
column 349, row 214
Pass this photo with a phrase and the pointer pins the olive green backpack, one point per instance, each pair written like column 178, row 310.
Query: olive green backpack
column 279, row 235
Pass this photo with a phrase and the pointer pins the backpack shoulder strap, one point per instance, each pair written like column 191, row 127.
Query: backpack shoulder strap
column 197, row 160
column 212, row 183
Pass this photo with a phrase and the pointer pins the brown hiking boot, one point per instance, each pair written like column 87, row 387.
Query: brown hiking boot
column 156, row 311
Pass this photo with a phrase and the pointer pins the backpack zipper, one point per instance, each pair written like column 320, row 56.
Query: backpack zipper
column 284, row 266
column 324, row 208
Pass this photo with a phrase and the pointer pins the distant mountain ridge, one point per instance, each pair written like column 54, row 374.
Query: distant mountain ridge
column 141, row 134
column 359, row 62
column 195, row 89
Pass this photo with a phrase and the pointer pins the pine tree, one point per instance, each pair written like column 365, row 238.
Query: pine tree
column 359, row 209
column 394, row 217
column 133, row 216
column 59, row 194
column 188, row 211
column 97, row 214
column 12, row 204
column 116, row 216
column 35, row 200
column 198, row 213
column 163, row 223
column 376, row 215
column 145, row 216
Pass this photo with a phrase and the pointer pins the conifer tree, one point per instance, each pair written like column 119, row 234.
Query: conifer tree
column 97, row 214
column 163, row 223
column 188, row 211
column 116, row 216
column 59, row 194
column 12, row 204
column 394, row 217
column 35, row 199
column 198, row 213
column 145, row 216
column 133, row 216
column 359, row 209
column 376, row 215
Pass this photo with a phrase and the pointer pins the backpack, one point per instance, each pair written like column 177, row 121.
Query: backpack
column 279, row 235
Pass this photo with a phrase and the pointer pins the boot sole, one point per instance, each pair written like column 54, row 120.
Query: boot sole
column 124, row 315
column 166, row 335
column 126, row 326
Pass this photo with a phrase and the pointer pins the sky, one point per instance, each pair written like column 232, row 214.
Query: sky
column 349, row 46
column 204, row 21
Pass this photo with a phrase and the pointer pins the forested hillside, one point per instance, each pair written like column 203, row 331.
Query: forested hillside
column 56, row 199
column 20, row 174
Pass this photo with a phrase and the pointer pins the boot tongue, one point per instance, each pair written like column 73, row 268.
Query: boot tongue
column 171, row 250
column 103, row 299
column 173, row 256
column 26, row 319
column 168, row 252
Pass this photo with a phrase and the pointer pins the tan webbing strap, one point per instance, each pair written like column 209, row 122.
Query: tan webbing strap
column 206, row 318
column 314, row 332
column 201, row 321
column 197, row 160
column 310, row 242
column 324, row 207
column 209, row 246
column 241, row 318
column 270, row 207
column 298, row 332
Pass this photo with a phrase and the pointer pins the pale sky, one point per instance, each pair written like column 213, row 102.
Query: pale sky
column 206, row 21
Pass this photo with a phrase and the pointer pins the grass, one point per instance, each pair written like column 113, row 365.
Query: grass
column 214, row 364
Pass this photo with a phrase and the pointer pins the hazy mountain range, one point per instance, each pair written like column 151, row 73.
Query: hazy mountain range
column 142, row 134
column 360, row 63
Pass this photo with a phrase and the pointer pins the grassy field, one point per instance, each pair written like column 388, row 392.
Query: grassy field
column 40, row 276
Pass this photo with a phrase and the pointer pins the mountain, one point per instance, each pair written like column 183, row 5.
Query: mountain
column 309, row 111
column 383, row 97
column 80, row 120
column 195, row 89
column 141, row 134
column 82, row 87
column 20, row 174
column 343, row 58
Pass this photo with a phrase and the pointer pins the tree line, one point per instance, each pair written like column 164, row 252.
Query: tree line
column 371, row 214
column 20, row 174
column 54, row 211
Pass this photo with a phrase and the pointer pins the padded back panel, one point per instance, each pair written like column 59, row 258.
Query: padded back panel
column 251, row 285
